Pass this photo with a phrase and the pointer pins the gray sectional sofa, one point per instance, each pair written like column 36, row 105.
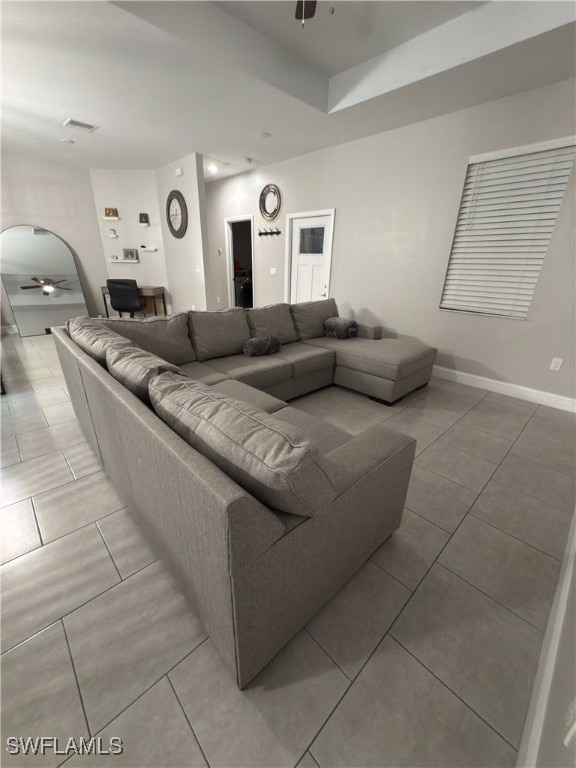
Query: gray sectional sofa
column 261, row 511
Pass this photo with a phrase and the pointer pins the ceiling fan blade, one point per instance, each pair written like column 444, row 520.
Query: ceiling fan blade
column 37, row 280
column 57, row 282
column 28, row 287
column 64, row 289
column 305, row 9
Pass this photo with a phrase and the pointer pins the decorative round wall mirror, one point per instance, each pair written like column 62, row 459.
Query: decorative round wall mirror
column 270, row 202
column 40, row 279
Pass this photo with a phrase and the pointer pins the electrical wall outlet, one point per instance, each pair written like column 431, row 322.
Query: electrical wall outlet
column 217, row 299
column 273, row 271
column 556, row 363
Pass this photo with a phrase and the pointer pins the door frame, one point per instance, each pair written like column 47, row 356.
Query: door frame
column 331, row 212
column 230, row 254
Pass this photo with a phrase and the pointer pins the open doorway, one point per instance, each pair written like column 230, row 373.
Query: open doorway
column 239, row 246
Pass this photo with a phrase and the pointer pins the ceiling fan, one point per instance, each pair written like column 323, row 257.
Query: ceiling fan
column 47, row 284
column 305, row 9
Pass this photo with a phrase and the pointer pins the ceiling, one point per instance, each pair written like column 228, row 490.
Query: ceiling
column 353, row 33
column 165, row 79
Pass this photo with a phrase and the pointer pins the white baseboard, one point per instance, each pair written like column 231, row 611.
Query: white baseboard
column 505, row 388
column 9, row 329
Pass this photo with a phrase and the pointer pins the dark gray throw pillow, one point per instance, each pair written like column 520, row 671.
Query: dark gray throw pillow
column 340, row 328
column 261, row 345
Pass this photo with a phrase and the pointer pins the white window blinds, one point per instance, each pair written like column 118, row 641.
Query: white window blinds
column 507, row 214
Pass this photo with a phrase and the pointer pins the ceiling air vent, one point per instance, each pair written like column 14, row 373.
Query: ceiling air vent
column 69, row 123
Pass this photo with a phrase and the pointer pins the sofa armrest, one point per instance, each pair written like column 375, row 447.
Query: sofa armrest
column 349, row 463
column 369, row 331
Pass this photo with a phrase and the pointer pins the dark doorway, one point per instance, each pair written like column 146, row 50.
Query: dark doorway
column 241, row 241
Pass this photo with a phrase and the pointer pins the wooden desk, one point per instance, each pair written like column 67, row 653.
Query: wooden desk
column 146, row 292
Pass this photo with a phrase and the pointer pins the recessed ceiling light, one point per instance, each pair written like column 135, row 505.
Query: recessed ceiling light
column 70, row 123
column 67, row 141
column 265, row 135
column 213, row 169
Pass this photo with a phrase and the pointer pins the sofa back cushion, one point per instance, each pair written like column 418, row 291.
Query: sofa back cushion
column 275, row 320
column 95, row 339
column 165, row 336
column 218, row 334
column 271, row 459
column 135, row 368
column 309, row 317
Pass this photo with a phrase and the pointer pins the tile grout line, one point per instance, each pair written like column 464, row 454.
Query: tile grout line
column 311, row 636
column 171, row 684
column 445, row 685
column 76, row 678
column 547, row 442
column 35, row 513
column 392, row 577
column 76, row 608
column 164, row 674
column 501, row 530
column 68, row 533
column 430, row 568
column 529, row 495
column 491, row 597
column 62, row 485
column 108, row 550
column 323, row 725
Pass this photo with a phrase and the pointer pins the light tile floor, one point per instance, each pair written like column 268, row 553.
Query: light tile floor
column 425, row 658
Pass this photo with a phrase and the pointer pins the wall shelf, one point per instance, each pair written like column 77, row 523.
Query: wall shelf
column 123, row 261
column 111, row 218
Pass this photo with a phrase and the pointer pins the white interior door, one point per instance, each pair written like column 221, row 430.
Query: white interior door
column 310, row 256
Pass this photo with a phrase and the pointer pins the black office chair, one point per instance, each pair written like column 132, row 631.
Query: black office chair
column 124, row 296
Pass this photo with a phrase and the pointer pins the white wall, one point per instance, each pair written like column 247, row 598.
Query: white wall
column 396, row 197
column 58, row 197
column 185, row 265
column 131, row 193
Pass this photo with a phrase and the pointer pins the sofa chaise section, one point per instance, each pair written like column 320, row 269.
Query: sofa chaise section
column 386, row 369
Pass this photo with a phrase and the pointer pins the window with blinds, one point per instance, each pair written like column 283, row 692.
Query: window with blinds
column 507, row 215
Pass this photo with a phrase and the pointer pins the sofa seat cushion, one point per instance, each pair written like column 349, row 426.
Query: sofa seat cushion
column 95, row 339
column 135, row 368
column 259, row 372
column 165, row 336
column 392, row 359
column 305, row 359
column 275, row 319
column 321, row 433
column 309, row 317
column 248, row 394
column 218, row 334
column 268, row 457
column 203, row 372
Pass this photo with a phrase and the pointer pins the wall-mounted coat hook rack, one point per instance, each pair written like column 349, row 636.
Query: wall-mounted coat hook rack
column 268, row 232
